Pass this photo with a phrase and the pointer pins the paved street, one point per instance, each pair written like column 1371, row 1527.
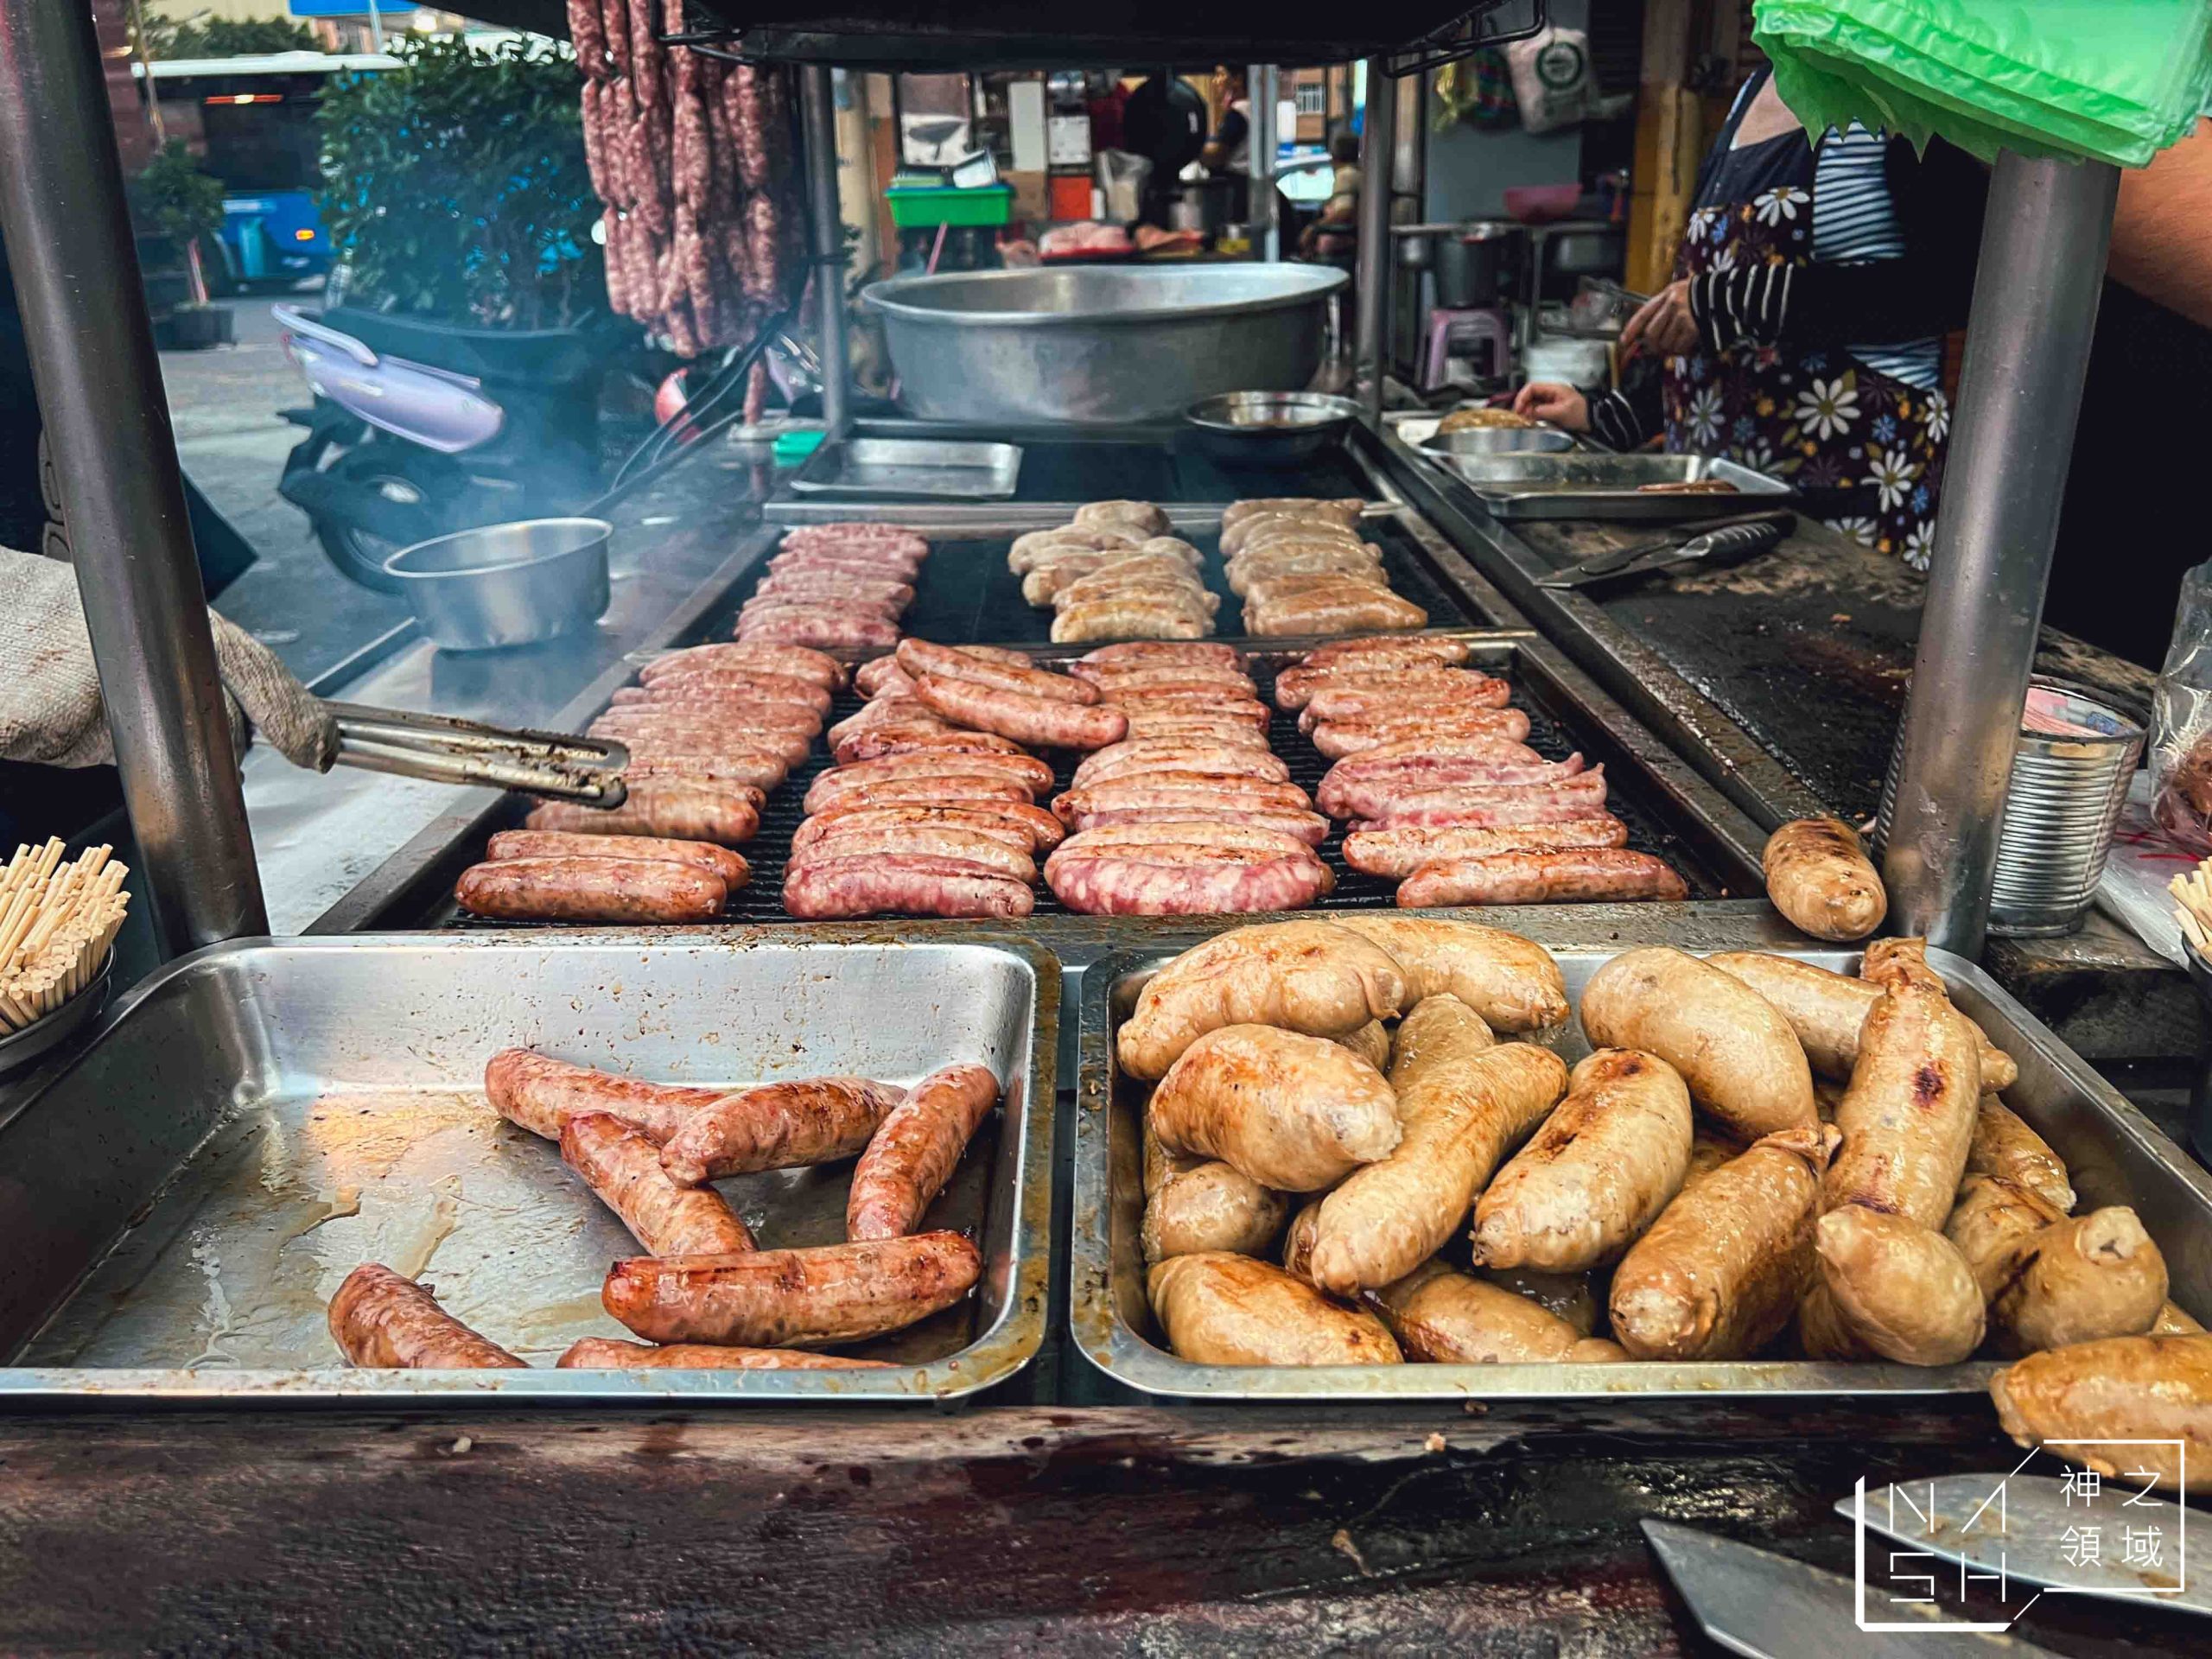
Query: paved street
column 233, row 442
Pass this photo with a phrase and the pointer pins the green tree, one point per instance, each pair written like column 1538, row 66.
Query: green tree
column 202, row 36
column 455, row 186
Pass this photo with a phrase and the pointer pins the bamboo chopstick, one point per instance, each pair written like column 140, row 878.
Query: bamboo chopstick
column 58, row 921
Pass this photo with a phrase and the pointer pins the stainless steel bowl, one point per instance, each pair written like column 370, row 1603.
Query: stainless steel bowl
column 1499, row 441
column 506, row 584
column 1273, row 426
column 1099, row 345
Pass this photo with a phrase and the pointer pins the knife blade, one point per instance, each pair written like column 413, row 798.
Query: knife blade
column 1960, row 1519
column 1768, row 1606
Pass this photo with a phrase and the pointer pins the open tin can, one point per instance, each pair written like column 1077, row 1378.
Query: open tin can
column 2070, row 769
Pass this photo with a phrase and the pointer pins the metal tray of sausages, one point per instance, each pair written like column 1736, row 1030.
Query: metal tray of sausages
column 259, row 1118
column 2114, row 1154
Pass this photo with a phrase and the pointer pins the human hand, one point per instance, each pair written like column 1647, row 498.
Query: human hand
column 1558, row 406
column 1662, row 325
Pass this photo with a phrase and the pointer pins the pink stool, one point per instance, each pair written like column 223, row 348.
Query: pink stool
column 1462, row 333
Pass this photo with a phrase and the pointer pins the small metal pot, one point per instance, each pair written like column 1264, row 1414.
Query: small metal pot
column 1500, row 440
column 1269, row 427
column 506, row 584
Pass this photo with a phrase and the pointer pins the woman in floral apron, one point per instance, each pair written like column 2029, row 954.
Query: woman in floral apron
column 1802, row 335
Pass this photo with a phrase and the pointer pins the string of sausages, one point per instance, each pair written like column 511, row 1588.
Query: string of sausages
column 693, row 156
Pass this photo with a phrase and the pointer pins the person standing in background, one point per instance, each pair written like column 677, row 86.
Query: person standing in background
column 1803, row 336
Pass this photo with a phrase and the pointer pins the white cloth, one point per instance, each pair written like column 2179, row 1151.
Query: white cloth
column 50, row 708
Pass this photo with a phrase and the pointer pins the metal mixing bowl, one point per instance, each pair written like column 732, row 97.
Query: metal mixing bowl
column 1271, row 426
column 1099, row 345
column 506, row 584
column 1499, row 441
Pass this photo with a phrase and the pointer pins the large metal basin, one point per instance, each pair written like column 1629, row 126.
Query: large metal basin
column 1095, row 345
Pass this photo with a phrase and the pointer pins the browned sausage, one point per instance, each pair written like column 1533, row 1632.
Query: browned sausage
column 1359, row 788
column 1892, row 1287
column 1391, row 651
column 1398, row 852
column 2005, row 1147
column 1908, row 1116
column 1027, row 773
column 1718, row 1275
column 818, row 625
column 1356, row 697
column 2151, row 1389
column 1019, row 823
column 1577, row 875
column 875, row 745
column 1005, row 855
column 607, row 1354
column 1222, row 1309
column 924, row 791
column 1166, row 651
column 726, row 815
column 921, row 659
column 1827, row 1010
column 1449, row 1318
column 1597, row 1173
column 1818, row 876
column 1293, row 1112
column 536, row 1092
column 747, row 684
column 1581, row 796
column 622, row 1165
column 2079, row 1279
column 1037, row 721
column 914, row 1152
column 823, row 886
column 794, row 1298
column 590, row 890
column 561, row 843
column 796, row 661
column 385, row 1322
column 778, row 1126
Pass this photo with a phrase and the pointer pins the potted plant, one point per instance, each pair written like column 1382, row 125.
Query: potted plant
column 456, row 194
column 180, row 204
column 461, row 213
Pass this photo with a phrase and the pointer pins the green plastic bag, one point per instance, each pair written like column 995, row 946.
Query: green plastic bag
column 2112, row 81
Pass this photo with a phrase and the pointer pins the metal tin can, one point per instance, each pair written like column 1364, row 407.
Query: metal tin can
column 2070, row 770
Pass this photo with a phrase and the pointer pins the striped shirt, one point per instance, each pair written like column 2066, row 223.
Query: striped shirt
column 1854, row 221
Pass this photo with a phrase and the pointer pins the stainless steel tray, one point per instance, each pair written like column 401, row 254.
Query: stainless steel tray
column 2115, row 1154
column 902, row 467
column 1594, row 486
column 259, row 1118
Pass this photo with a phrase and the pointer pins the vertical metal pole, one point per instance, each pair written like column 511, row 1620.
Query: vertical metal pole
column 1378, row 144
column 99, row 389
column 1262, row 224
column 818, row 103
column 2043, row 238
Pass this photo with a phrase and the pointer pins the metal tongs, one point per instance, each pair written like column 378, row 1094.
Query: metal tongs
column 444, row 750
column 1709, row 546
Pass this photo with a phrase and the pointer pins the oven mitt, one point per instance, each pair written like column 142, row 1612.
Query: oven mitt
column 50, row 710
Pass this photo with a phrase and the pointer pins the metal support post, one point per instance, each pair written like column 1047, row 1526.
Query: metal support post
column 818, row 101
column 99, row 387
column 1263, row 224
column 2044, row 239
column 1378, row 145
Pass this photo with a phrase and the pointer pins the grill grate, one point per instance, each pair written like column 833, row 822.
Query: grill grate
column 1554, row 732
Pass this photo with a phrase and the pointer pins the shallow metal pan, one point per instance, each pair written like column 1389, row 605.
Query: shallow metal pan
column 2114, row 1154
column 1592, row 486
column 259, row 1118
column 870, row 468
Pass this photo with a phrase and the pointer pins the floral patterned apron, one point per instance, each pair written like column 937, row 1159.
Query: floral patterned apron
column 1865, row 449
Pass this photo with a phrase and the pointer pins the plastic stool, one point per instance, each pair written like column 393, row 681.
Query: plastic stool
column 1463, row 329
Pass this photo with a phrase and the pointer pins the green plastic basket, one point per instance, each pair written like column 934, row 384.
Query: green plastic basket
column 916, row 206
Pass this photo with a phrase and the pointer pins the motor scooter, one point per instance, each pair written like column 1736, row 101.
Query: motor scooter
column 419, row 429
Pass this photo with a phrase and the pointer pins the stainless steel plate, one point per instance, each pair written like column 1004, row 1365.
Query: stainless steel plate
column 1594, row 486
column 2114, row 1154
column 260, row 1118
column 899, row 468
